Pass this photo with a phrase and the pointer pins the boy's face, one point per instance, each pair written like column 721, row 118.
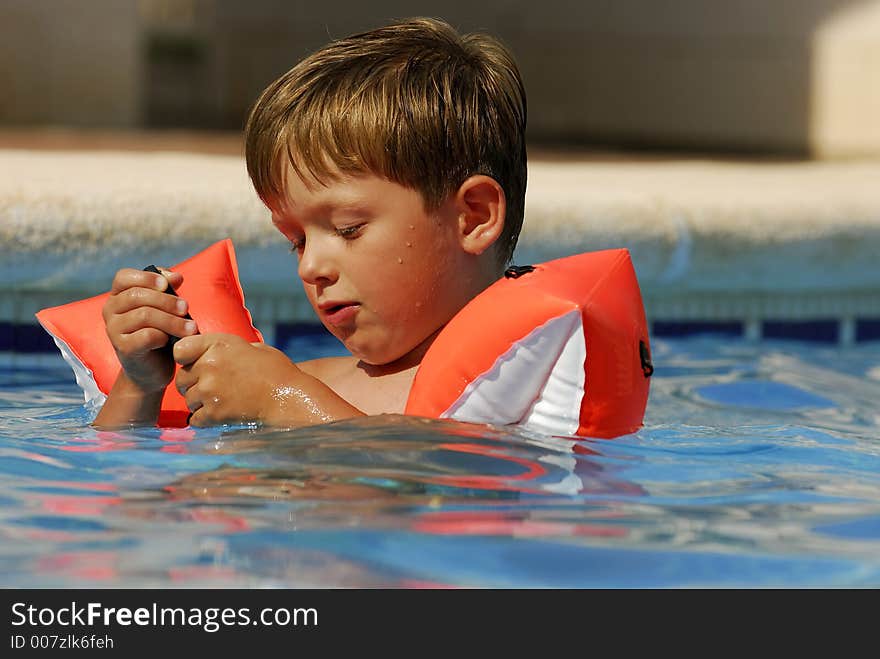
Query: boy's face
column 382, row 273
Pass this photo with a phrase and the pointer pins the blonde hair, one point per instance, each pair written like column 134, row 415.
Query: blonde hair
column 413, row 102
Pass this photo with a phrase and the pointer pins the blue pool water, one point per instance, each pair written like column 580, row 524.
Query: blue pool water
column 758, row 466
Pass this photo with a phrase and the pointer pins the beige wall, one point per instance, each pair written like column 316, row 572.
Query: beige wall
column 845, row 83
column 783, row 75
column 788, row 76
column 69, row 62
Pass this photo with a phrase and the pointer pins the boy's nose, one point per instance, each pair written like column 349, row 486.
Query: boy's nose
column 314, row 268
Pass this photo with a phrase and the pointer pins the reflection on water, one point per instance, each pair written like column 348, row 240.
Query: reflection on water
column 758, row 466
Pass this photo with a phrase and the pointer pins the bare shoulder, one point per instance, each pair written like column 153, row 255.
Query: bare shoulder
column 329, row 369
column 370, row 390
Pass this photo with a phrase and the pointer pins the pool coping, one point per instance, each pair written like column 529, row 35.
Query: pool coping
column 714, row 240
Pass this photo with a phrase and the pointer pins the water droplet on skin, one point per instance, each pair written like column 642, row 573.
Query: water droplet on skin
column 412, row 226
column 409, row 244
column 399, row 260
column 286, row 396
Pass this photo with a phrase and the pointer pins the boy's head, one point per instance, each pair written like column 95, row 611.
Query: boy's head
column 413, row 102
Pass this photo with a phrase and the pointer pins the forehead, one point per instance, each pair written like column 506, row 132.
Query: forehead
column 298, row 173
column 299, row 185
column 333, row 189
column 325, row 177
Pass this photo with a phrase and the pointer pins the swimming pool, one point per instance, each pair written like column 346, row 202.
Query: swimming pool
column 758, row 466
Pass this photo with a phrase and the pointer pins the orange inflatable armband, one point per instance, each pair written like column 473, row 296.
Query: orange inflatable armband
column 216, row 302
column 562, row 349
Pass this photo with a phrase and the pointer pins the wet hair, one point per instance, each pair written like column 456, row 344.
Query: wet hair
column 413, row 102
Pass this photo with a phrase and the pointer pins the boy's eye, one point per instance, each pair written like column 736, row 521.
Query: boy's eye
column 296, row 246
column 349, row 232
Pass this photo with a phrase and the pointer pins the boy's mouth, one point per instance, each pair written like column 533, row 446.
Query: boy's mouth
column 331, row 306
column 338, row 313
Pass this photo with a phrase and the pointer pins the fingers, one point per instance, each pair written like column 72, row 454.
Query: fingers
column 131, row 278
column 132, row 298
column 190, row 349
column 202, row 412
column 210, row 412
column 205, row 408
column 204, row 416
column 174, row 278
column 135, row 288
column 137, row 303
column 140, row 341
column 187, row 352
column 191, row 395
column 187, row 376
column 144, row 321
column 203, row 379
column 197, row 420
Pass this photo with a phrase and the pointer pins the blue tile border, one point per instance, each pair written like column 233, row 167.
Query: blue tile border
column 25, row 338
column 818, row 331
column 29, row 338
column 868, row 329
column 669, row 328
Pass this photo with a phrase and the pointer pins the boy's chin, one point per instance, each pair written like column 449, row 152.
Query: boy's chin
column 372, row 359
column 398, row 354
column 376, row 358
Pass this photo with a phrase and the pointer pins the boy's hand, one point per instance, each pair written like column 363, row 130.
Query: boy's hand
column 139, row 318
column 225, row 379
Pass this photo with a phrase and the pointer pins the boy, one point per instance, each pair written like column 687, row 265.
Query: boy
column 394, row 162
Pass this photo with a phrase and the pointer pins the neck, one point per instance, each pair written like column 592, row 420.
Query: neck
column 410, row 360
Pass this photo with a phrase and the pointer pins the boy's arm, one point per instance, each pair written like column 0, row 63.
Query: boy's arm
column 127, row 405
column 225, row 379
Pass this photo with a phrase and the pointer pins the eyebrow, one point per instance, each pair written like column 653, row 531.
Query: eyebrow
column 356, row 208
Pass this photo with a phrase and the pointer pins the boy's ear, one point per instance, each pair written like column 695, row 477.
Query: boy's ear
column 481, row 204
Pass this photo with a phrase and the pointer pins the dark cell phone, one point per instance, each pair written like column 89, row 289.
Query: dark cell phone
column 170, row 290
